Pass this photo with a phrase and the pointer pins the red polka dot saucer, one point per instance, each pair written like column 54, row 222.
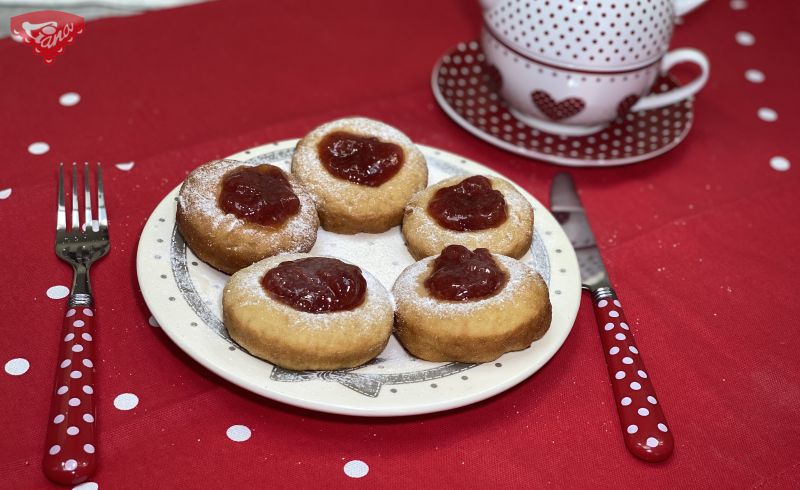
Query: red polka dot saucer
column 466, row 89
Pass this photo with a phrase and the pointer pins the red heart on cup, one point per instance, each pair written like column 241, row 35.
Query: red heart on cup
column 557, row 110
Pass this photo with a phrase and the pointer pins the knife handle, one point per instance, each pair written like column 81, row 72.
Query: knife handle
column 69, row 453
column 644, row 427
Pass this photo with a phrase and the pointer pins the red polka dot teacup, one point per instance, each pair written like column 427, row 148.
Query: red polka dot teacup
column 573, row 66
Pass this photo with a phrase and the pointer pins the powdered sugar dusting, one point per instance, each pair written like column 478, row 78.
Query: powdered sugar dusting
column 519, row 210
column 307, row 166
column 410, row 288
column 377, row 303
column 199, row 195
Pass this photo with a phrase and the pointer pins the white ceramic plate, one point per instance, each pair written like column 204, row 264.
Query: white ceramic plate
column 185, row 297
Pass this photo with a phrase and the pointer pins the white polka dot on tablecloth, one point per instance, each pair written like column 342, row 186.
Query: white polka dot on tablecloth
column 17, row 366
column 126, row 401
column 745, row 38
column 632, row 429
column 69, row 99
column 5, row 193
column 89, row 485
column 738, row 4
column 125, row 166
column 767, row 114
column 152, row 321
column 779, row 163
column 57, row 292
column 38, row 148
column 356, row 468
column 238, row 433
column 652, row 442
column 755, row 76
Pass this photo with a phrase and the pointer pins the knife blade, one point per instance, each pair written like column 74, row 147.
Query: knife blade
column 644, row 427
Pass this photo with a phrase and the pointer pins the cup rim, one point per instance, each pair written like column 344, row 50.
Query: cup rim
column 571, row 67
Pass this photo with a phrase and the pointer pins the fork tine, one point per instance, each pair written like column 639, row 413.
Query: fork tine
column 61, row 217
column 87, row 199
column 101, row 199
column 75, row 216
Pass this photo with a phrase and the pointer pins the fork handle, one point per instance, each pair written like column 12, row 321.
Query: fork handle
column 70, row 449
column 644, row 427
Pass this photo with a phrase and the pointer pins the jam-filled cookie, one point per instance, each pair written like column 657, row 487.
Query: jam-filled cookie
column 469, row 306
column 303, row 312
column 232, row 215
column 361, row 173
column 475, row 211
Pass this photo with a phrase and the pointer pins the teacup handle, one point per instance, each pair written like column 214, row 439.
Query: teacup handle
column 669, row 60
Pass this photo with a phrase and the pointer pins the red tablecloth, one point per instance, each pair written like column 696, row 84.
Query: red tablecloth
column 702, row 244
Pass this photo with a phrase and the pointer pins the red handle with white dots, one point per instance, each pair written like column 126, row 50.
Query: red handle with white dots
column 644, row 427
column 69, row 453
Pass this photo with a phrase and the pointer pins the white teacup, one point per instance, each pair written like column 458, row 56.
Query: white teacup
column 562, row 71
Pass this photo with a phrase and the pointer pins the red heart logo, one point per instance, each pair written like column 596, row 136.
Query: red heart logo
column 557, row 110
column 626, row 104
column 48, row 31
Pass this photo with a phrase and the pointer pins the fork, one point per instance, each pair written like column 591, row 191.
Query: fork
column 70, row 454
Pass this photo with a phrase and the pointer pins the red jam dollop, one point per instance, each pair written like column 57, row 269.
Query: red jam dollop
column 361, row 159
column 470, row 205
column 259, row 195
column 316, row 285
column 461, row 275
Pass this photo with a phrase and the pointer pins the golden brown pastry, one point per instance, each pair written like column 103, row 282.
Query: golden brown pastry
column 467, row 306
column 303, row 312
column 231, row 214
column 474, row 211
column 361, row 173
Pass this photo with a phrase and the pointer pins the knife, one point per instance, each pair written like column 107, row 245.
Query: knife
column 642, row 421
